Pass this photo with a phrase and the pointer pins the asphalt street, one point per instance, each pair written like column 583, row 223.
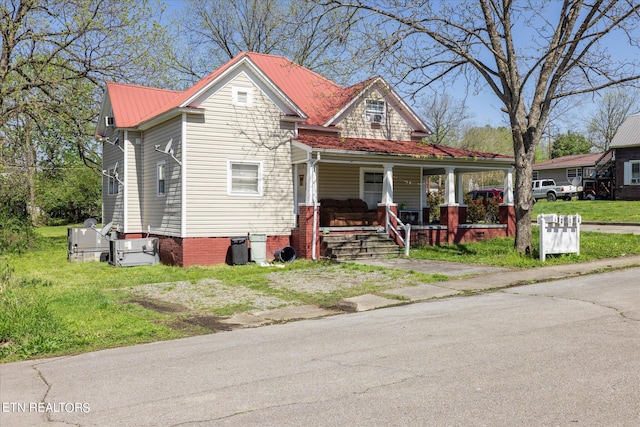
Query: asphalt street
column 557, row 353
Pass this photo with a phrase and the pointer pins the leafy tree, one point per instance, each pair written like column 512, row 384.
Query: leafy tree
column 569, row 144
column 614, row 107
column 55, row 56
column 488, row 139
column 531, row 54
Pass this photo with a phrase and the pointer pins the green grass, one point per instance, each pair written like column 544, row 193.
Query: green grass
column 49, row 306
column 607, row 211
column 500, row 252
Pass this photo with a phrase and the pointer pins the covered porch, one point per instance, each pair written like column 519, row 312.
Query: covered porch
column 343, row 191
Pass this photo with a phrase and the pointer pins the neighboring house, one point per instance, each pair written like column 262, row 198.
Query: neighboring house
column 592, row 171
column 254, row 148
column 564, row 170
column 626, row 155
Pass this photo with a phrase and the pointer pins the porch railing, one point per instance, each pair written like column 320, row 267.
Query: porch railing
column 406, row 240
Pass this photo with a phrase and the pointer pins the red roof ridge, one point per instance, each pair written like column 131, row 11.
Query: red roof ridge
column 144, row 87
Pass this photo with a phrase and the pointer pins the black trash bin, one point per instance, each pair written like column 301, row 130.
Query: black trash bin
column 286, row 254
column 239, row 251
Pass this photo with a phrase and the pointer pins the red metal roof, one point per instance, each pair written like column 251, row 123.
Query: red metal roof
column 131, row 103
column 319, row 98
column 409, row 148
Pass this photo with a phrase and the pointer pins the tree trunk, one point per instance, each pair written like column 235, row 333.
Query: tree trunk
column 30, row 172
column 524, row 146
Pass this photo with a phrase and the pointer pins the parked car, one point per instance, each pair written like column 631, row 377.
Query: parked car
column 547, row 189
column 486, row 194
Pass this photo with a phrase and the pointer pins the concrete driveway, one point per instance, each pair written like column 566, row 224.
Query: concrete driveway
column 557, row 353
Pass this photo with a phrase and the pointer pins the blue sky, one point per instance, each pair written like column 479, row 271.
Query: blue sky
column 484, row 106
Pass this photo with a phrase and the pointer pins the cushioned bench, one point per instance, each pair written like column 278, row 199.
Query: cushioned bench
column 344, row 213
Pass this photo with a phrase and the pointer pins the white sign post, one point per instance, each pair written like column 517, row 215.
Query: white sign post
column 559, row 234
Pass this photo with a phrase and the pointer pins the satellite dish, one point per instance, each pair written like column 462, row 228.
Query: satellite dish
column 168, row 147
column 89, row 223
column 106, row 229
column 576, row 181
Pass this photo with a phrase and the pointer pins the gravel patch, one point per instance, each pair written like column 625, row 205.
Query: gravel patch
column 329, row 279
column 207, row 295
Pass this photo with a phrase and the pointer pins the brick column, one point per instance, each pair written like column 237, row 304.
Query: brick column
column 425, row 215
column 508, row 216
column 449, row 216
column 302, row 237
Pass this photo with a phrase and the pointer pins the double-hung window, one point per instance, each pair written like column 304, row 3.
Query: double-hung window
column 573, row 173
column 635, row 172
column 112, row 174
column 375, row 110
column 244, row 178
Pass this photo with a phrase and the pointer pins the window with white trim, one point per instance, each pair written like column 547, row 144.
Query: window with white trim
column 535, row 176
column 573, row 172
column 375, row 110
column 242, row 96
column 635, row 172
column 161, row 169
column 244, row 178
column 112, row 174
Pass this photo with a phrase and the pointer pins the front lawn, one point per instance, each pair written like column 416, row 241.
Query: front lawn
column 607, row 211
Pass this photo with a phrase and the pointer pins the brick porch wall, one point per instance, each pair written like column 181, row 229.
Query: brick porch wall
column 302, row 237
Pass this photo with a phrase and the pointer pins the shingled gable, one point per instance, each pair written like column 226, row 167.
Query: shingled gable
column 356, row 94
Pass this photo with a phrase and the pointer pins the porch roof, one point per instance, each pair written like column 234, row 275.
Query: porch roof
column 398, row 148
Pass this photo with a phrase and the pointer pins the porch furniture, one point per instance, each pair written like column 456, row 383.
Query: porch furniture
column 345, row 213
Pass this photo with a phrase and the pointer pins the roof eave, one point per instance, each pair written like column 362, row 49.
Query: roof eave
column 167, row 115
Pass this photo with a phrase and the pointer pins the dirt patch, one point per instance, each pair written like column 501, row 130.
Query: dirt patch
column 158, row 305
column 211, row 323
column 329, row 279
column 206, row 295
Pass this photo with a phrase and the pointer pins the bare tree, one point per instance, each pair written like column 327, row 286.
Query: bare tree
column 300, row 30
column 530, row 54
column 445, row 117
column 614, row 107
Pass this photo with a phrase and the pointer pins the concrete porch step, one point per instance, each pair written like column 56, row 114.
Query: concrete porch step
column 359, row 246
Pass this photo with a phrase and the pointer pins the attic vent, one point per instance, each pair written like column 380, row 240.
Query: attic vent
column 108, row 121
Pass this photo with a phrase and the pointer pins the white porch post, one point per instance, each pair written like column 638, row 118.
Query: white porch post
column 459, row 190
column 450, row 188
column 508, row 187
column 311, row 188
column 387, row 185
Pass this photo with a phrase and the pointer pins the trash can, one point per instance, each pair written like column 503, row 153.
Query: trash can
column 239, row 251
column 286, row 254
column 258, row 248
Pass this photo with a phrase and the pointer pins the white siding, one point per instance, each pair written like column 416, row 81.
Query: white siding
column 162, row 212
column 338, row 181
column 112, row 205
column 406, row 186
column 240, row 133
column 394, row 127
column 134, row 183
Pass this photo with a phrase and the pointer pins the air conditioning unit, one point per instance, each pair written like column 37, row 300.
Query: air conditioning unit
column 375, row 118
column 108, row 121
